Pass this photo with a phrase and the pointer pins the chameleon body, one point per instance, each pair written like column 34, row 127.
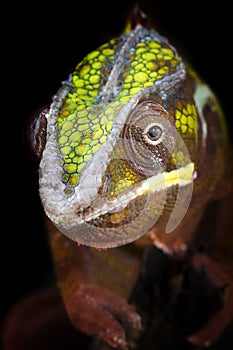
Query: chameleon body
column 131, row 138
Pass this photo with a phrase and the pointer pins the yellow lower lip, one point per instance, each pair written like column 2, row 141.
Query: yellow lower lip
column 181, row 177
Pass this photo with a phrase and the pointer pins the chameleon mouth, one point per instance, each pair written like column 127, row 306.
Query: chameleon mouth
column 113, row 222
column 155, row 184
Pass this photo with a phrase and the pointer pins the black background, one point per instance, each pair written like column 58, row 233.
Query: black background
column 41, row 44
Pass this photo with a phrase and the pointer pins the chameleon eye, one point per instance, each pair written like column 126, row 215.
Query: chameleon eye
column 149, row 138
column 36, row 133
column 153, row 134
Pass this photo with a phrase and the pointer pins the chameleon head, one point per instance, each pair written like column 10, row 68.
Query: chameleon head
column 121, row 138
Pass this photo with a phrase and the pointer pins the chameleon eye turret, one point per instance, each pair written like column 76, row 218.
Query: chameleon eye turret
column 122, row 137
column 149, row 138
column 36, row 133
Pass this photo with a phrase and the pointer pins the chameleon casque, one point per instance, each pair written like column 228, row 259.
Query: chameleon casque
column 126, row 151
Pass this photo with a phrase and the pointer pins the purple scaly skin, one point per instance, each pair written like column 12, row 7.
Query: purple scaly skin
column 132, row 138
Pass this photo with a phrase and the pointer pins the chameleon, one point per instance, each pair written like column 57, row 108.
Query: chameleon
column 133, row 148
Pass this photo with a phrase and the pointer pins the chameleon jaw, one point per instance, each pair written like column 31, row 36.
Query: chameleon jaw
column 159, row 182
column 87, row 227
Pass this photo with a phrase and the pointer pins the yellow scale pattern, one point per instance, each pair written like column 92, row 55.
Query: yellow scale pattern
column 185, row 115
column 186, row 118
column 150, row 62
column 84, row 122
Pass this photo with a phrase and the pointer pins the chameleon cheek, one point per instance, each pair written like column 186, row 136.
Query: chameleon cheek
column 36, row 133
